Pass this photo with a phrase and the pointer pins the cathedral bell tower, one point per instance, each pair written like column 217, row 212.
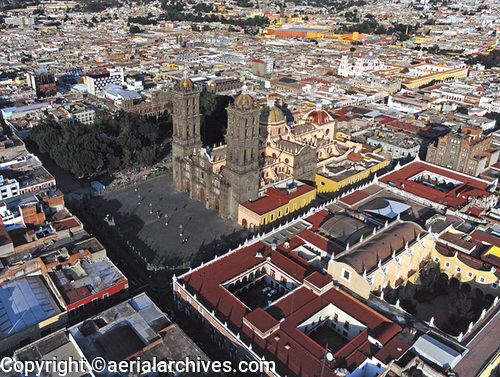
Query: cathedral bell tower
column 186, row 136
column 242, row 160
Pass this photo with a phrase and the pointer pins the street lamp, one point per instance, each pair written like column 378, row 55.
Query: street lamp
column 166, row 219
column 181, row 230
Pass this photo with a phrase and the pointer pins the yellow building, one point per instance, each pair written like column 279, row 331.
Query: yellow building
column 423, row 74
column 401, row 250
column 492, row 365
column 421, row 39
column 281, row 201
column 457, row 258
column 346, row 171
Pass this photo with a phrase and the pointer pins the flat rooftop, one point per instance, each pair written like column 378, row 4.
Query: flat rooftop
column 86, row 278
column 58, row 345
column 25, row 303
column 122, row 330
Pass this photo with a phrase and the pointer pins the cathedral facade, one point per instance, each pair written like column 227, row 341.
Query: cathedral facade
column 261, row 148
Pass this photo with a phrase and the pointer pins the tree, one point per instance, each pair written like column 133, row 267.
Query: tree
column 108, row 145
column 462, row 110
column 134, row 29
column 461, row 310
column 352, row 49
column 214, row 119
column 431, row 283
column 208, row 103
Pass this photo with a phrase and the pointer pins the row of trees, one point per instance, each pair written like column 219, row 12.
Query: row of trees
column 371, row 26
column 490, row 60
column 176, row 11
column 148, row 20
column 109, row 145
column 113, row 144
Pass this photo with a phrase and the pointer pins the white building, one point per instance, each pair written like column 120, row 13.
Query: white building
column 8, row 188
column 96, row 81
column 359, row 66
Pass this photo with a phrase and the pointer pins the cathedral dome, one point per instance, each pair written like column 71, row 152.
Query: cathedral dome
column 318, row 116
column 355, row 156
column 272, row 114
column 244, row 99
column 185, row 82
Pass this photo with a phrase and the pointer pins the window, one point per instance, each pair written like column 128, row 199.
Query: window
column 436, row 259
column 494, row 285
column 346, row 275
column 287, row 209
column 346, row 325
column 335, row 317
column 458, row 269
column 272, row 216
column 447, row 264
column 482, row 280
column 279, row 214
column 470, row 275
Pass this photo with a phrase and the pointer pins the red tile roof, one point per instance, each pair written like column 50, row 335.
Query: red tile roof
column 354, row 198
column 66, row 224
column 320, row 242
column 4, row 236
column 318, row 280
column 485, row 238
column 292, row 348
column 317, row 219
column 261, row 320
column 275, row 198
column 470, row 187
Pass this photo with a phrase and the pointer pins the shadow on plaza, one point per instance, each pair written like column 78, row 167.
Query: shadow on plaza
column 159, row 246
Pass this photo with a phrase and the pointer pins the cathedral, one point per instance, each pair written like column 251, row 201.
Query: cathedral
column 262, row 148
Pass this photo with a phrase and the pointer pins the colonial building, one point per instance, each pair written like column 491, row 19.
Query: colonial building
column 359, row 66
column 263, row 302
column 467, row 151
column 228, row 175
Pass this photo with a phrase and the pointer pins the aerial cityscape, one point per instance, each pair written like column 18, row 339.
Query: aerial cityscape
column 250, row 188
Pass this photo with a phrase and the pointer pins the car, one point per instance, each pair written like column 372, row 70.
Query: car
column 154, row 170
column 272, row 293
column 266, row 289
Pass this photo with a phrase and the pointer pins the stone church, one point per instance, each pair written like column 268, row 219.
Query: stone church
column 261, row 149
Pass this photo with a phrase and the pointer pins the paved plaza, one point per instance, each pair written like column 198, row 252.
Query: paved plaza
column 141, row 214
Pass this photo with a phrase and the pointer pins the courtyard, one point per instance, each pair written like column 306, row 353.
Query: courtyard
column 328, row 338
column 261, row 294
